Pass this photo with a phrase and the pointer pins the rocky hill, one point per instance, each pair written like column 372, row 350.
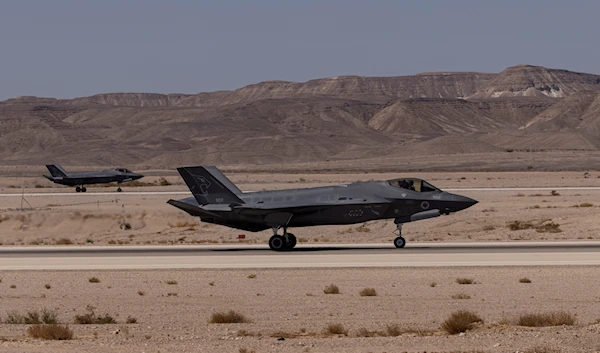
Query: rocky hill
column 338, row 118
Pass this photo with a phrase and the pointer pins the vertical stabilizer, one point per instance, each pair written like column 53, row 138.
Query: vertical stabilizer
column 209, row 188
column 56, row 170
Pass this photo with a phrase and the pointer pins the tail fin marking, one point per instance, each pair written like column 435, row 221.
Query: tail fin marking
column 209, row 188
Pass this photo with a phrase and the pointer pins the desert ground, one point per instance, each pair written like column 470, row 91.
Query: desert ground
column 172, row 309
column 406, row 314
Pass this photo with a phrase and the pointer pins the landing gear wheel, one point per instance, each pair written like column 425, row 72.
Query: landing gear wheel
column 277, row 243
column 83, row 189
column 119, row 189
column 399, row 242
column 78, row 189
column 291, row 241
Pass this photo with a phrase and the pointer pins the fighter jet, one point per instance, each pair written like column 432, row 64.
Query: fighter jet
column 217, row 200
column 119, row 175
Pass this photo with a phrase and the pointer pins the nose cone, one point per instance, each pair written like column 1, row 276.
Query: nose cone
column 459, row 203
column 136, row 176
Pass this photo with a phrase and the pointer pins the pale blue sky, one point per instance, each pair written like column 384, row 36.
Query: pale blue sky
column 72, row 48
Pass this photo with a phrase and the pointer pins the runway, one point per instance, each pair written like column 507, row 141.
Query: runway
column 304, row 256
column 142, row 193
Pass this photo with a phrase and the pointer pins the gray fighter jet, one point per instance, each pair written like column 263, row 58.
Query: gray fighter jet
column 118, row 175
column 217, row 200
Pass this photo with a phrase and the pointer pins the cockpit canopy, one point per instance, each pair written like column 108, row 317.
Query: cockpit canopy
column 413, row 184
column 123, row 170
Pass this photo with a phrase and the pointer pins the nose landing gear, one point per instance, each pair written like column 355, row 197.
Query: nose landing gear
column 399, row 242
column 80, row 189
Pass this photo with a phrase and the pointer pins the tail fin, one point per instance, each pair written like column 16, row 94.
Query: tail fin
column 56, row 170
column 210, row 186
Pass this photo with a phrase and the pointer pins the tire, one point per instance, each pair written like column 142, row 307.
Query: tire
column 83, row 189
column 399, row 242
column 78, row 189
column 292, row 241
column 119, row 189
column 277, row 243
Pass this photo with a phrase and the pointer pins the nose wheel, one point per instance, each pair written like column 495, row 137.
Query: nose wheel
column 80, row 189
column 399, row 242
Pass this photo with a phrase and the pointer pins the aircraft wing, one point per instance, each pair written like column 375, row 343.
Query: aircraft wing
column 303, row 206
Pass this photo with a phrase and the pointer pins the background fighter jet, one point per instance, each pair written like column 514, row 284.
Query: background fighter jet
column 217, row 200
column 119, row 175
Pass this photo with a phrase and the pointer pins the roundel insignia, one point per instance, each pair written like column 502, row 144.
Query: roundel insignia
column 425, row 205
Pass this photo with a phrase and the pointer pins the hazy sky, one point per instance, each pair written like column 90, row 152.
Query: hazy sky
column 71, row 48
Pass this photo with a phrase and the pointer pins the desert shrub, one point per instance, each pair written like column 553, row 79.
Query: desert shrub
column 131, row 320
column 230, row 317
column 50, row 332
column 541, row 349
column 556, row 318
column 461, row 296
column 368, row 292
column 163, row 182
column 464, row 280
column 393, row 330
column 524, row 280
column 488, row 227
column 47, row 286
column 252, row 275
column 171, row 282
column 519, row 225
column 64, row 241
column 91, row 318
column 586, row 204
column 336, row 329
column 31, row 317
column 548, row 227
column 94, row 280
column 433, row 284
column 331, row 289
column 461, row 321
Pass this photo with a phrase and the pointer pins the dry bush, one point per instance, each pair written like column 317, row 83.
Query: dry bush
column 461, row 321
column 336, row 329
column 33, row 317
column 368, row 292
column 64, row 241
column 47, row 286
column 50, row 332
column 13, row 286
column 548, row 227
column 556, row 318
column 331, row 289
column 163, row 182
column 94, row 280
column 393, row 330
column 464, row 280
column 554, row 193
column 488, row 227
column 433, row 284
column 586, row 204
column 252, row 275
column 91, row 318
column 246, row 350
column 461, row 296
column 171, row 282
column 520, row 225
column 363, row 229
column 230, row 317
column 131, row 320
column 524, row 280
column 171, row 294
column 141, row 293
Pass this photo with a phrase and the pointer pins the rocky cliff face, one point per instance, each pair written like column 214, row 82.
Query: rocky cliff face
column 537, row 81
column 338, row 118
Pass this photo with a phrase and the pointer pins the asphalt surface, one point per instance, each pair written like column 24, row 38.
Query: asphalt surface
column 304, row 256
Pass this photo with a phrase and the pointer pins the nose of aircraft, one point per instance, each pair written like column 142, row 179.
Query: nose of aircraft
column 463, row 202
column 136, row 176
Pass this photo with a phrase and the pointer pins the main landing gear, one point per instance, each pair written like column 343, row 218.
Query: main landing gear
column 119, row 189
column 284, row 242
column 80, row 189
column 399, row 242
